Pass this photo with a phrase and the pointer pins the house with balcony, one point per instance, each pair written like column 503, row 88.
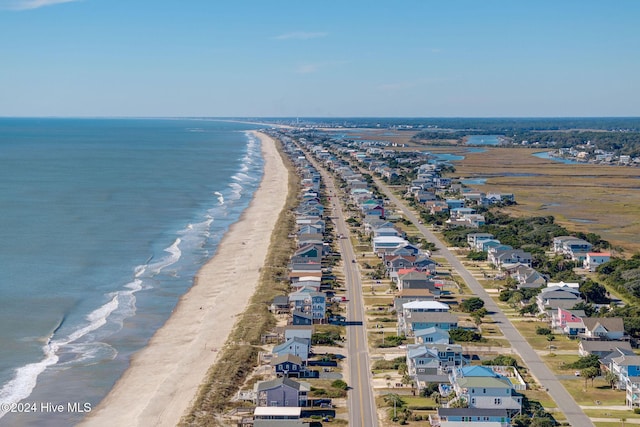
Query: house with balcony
column 295, row 346
column 283, row 392
column 475, row 239
column 595, row 259
column 572, row 247
column 553, row 297
column 428, row 363
column 505, row 257
column 568, row 322
column 432, row 336
column 422, row 320
column 307, row 300
column 479, row 417
column 482, row 387
column 526, row 276
column 627, row 367
column 604, row 329
column 387, row 244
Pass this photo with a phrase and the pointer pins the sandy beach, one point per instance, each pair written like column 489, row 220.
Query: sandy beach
column 163, row 378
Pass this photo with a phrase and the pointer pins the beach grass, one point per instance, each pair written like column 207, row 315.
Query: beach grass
column 240, row 353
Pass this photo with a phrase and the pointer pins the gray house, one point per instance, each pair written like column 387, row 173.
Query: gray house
column 282, row 392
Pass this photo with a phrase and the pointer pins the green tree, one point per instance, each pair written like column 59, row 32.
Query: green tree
column 611, row 378
column 477, row 318
column 394, row 399
column 541, row 330
column 459, row 403
column 594, row 292
column 589, row 374
column 472, row 304
column 403, row 369
column 590, row 361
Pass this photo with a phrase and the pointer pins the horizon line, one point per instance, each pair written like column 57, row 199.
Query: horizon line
column 308, row 117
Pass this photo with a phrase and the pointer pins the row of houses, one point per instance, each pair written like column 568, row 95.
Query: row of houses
column 489, row 392
column 281, row 400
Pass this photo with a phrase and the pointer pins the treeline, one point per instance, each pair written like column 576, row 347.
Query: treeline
column 619, row 142
column 522, row 232
column 622, row 275
column 487, row 125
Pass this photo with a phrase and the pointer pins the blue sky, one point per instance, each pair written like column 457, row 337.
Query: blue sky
column 476, row 58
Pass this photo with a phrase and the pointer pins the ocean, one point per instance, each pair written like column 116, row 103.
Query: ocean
column 103, row 225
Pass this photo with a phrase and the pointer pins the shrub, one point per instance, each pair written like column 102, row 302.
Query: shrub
column 459, row 334
column 339, row 384
column 541, row 330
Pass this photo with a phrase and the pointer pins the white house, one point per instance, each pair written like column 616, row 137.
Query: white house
column 594, row 259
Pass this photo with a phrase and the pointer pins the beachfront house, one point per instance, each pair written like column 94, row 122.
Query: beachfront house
column 279, row 305
column 288, row 365
column 272, row 416
column 307, row 300
column 295, row 346
column 283, row 392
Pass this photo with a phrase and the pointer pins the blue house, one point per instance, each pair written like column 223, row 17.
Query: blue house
column 288, row 365
column 432, row 335
column 295, row 346
column 471, row 415
column 627, row 367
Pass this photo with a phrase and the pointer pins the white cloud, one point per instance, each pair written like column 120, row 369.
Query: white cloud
column 29, row 4
column 301, row 35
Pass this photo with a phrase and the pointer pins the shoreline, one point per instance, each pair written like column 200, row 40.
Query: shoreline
column 163, row 378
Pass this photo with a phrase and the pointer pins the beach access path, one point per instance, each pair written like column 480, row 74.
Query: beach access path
column 163, row 379
column 566, row 403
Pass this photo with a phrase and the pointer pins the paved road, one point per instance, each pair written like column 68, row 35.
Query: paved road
column 362, row 408
column 538, row 369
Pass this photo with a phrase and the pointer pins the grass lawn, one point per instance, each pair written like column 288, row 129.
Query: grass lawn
column 539, row 342
column 371, row 300
column 542, row 397
column 616, row 415
column 555, row 362
column 419, row 402
column 600, row 391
